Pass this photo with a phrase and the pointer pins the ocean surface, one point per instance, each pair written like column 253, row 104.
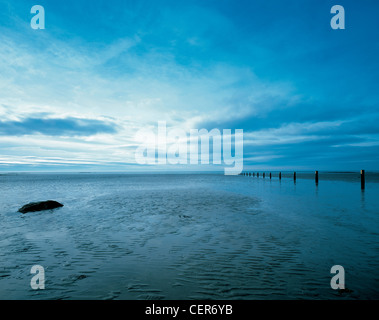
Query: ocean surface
column 189, row 236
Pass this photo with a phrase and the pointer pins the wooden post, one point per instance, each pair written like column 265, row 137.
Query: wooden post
column 264, row 174
column 253, row 174
column 257, row 174
column 294, row 176
column 270, row 175
column 316, row 177
column 249, row 174
column 362, row 179
column 280, row 176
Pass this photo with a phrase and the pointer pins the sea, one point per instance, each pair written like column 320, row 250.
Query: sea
column 190, row 236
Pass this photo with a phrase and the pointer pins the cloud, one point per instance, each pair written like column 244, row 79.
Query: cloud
column 81, row 89
column 56, row 127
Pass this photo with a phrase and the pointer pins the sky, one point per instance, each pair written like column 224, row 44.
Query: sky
column 74, row 95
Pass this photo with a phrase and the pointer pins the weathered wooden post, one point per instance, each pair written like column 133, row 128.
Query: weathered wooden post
column 316, row 177
column 257, row 174
column 362, row 179
column 249, row 174
column 264, row 174
column 280, row 176
column 294, row 176
column 270, row 175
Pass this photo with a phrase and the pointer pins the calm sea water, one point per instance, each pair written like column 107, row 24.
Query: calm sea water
column 123, row 236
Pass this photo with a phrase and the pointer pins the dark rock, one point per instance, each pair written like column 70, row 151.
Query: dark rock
column 39, row 206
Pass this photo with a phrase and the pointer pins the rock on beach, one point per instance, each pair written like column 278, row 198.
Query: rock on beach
column 39, row 206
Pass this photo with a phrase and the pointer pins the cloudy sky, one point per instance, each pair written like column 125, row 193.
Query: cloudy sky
column 73, row 96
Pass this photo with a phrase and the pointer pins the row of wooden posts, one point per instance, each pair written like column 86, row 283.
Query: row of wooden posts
column 363, row 180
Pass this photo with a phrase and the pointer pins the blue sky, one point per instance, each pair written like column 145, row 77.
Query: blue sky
column 72, row 96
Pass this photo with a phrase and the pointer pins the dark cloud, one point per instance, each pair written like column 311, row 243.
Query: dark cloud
column 56, row 127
